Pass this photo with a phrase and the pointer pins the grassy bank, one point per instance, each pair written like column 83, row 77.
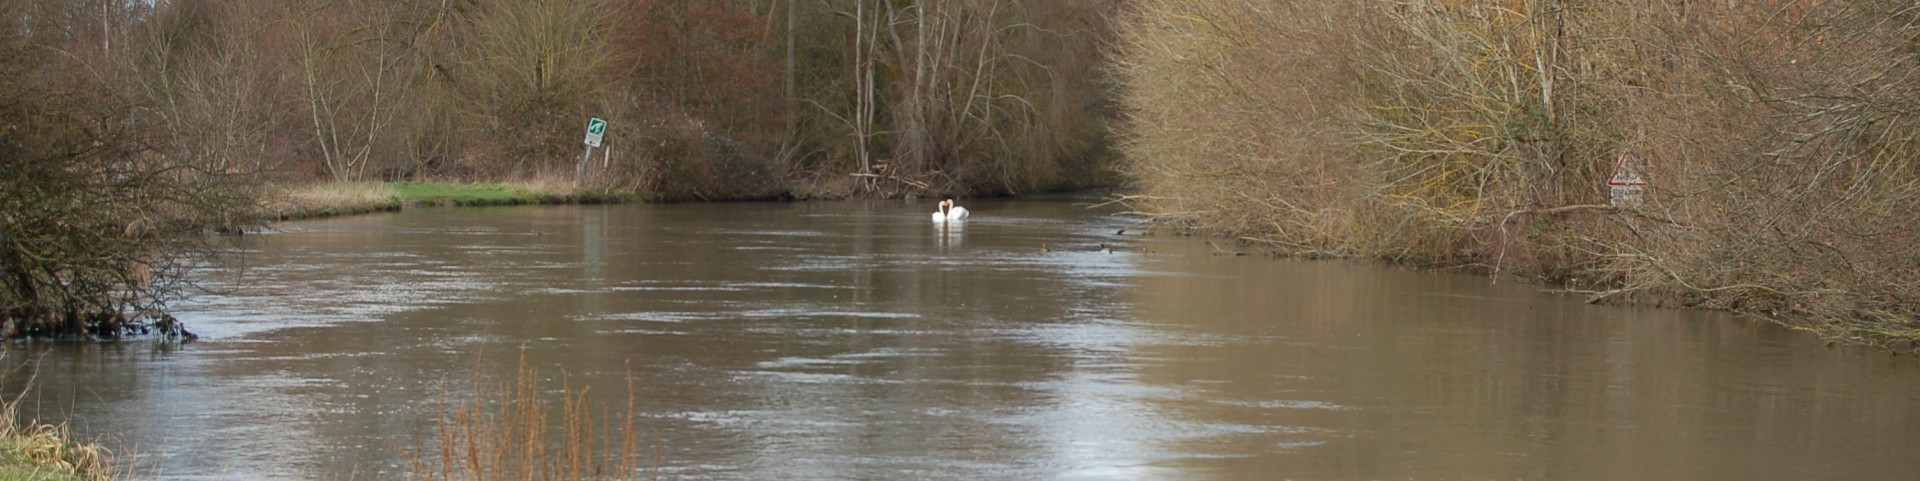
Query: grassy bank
column 1777, row 149
column 31, row 450
column 347, row 198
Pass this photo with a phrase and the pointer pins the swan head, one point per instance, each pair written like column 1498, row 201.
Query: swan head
column 950, row 211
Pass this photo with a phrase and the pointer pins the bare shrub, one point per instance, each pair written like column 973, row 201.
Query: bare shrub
column 1779, row 137
column 210, row 73
column 1233, row 121
column 992, row 95
column 520, row 75
column 1784, row 140
column 701, row 112
column 102, row 214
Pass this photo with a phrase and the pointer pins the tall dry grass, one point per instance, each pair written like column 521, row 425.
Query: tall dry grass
column 508, row 430
column 32, row 449
column 1779, row 137
column 330, row 198
column 35, row 450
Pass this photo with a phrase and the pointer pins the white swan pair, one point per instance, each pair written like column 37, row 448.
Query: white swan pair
column 948, row 211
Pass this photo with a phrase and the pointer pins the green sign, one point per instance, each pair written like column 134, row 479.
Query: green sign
column 596, row 129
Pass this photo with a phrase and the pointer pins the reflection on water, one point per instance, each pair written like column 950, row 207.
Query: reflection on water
column 857, row 341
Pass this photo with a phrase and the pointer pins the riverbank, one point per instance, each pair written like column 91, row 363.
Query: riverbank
column 1626, row 153
column 327, row 199
column 32, row 450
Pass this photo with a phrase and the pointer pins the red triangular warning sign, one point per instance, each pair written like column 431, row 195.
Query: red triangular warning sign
column 1624, row 175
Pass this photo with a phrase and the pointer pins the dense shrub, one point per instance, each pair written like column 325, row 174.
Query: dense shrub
column 1779, row 137
column 99, row 213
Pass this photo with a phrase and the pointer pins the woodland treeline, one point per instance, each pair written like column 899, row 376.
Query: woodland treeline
column 131, row 126
column 1777, row 137
column 706, row 98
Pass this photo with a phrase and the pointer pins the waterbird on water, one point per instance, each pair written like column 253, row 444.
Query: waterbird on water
column 948, row 211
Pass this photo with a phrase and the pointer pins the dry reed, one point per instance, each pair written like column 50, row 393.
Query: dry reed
column 503, row 432
column 331, row 198
column 30, row 449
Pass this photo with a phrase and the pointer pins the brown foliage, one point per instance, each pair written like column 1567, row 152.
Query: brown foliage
column 702, row 100
column 992, row 96
column 1786, row 142
column 1778, row 137
column 707, row 57
column 102, row 213
column 1004, row 97
column 173, row 113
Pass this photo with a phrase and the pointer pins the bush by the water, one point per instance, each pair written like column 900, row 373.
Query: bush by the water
column 100, row 211
column 1778, row 139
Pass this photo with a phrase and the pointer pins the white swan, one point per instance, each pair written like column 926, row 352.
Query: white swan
column 956, row 212
column 948, row 212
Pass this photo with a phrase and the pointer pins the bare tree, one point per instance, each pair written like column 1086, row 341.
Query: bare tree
column 351, row 59
column 102, row 216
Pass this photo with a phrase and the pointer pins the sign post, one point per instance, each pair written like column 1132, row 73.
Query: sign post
column 1626, row 184
column 596, row 130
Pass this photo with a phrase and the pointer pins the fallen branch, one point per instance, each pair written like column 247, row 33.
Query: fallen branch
column 1220, row 252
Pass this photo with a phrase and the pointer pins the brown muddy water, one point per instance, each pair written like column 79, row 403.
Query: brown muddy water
column 855, row 340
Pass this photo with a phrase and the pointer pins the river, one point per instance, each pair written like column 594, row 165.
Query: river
column 855, row 340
